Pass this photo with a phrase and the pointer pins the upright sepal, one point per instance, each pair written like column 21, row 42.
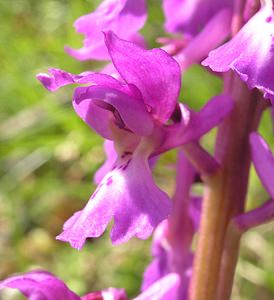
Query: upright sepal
column 154, row 72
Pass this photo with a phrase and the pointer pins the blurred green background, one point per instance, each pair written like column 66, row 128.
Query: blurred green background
column 48, row 157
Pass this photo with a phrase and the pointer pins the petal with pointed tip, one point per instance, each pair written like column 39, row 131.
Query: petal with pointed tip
column 263, row 160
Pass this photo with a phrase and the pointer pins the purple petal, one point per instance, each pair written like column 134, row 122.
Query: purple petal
column 129, row 195
column 111, row 157
column 163, row 289
column 108, row 294
column 263, row 161
column 40, row 285
column 195, row 124
column 255, row 217
column 154, row 72
column 212, row 114
column 124, row 17
column 250, row 53
column 132, row 111
column 59, row 78
column 190, row 16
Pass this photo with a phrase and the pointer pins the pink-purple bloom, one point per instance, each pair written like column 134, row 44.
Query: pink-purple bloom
column 123, row 17
column 133, row 113
column 250, row 53
column 129, row 113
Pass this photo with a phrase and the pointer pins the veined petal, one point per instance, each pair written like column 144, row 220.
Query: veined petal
column 129, row 195
column 155, row 73
column 40, row 285
column 263, row 160
column 132, row 111
column 250, row 53
column 124, row 17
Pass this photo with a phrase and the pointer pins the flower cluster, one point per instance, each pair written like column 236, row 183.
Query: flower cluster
column 137, row 110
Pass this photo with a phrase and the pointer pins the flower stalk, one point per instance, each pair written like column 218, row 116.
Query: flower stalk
column 225, row 193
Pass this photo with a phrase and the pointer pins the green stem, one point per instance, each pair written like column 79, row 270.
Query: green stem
column 225, row 191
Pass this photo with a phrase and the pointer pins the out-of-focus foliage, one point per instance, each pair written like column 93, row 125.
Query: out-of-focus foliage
column 48, row 157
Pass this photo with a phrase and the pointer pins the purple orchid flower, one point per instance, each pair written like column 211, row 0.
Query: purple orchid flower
column 133, row 114
column 173, row 237
column 250, row 53
column 129, row 114
column 124, row 17
column 43, row 285
column 190, row 16
column 40, row 285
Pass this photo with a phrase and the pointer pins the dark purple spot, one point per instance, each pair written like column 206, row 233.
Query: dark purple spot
column 125, row 154
column 268, row 19
column 126, row 165
column 95, row 193
column 109, row 181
